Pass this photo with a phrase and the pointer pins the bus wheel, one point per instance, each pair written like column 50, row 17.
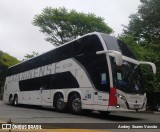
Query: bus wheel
column 10, row 100
column 75, row 105
column 104, row 113
column 60, row 105
column 15, row 101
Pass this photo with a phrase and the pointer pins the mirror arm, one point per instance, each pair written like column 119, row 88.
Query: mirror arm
column 117, row 55
column 104, row 52
column 149, row 63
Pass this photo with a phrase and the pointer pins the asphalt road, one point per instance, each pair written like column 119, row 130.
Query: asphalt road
column 35, row 114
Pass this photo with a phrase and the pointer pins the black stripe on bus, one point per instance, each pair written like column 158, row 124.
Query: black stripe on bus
column 56, row 81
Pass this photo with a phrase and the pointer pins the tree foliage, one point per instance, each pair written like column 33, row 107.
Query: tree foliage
column 6, row 61
column 61, row 25
column 28, row 56
column 143, row 36
column 151, row 82
column 146, row 23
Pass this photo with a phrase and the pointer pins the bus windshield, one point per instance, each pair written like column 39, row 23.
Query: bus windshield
column 128, row 77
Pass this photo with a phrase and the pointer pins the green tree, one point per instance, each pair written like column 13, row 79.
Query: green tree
column 28, row 56
column 145, row 25
column 143, row 36
column 6, row 61
column 61, row 25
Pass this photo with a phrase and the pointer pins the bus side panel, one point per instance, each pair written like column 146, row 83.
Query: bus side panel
column 10, row 88
column 101, row 100
column 30, row 97
column 6, row 93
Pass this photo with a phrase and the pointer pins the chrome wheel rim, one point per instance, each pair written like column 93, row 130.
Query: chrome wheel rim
column 76, row 105
column 60, row 104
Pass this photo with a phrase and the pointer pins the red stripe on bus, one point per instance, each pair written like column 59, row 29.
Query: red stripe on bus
column 112, row 97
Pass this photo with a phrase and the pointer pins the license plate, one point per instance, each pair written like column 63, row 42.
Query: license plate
column 136, row 106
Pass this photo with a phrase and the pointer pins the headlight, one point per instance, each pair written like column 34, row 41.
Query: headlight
column 121, row 97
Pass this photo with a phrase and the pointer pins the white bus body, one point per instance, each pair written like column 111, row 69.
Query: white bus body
column 82, row 74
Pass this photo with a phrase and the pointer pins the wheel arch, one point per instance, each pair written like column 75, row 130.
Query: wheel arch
column 57, row 93
column 16, row 95
column 10, row 97
column 72, row 93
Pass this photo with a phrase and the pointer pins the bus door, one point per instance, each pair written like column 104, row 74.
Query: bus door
column 101, row 93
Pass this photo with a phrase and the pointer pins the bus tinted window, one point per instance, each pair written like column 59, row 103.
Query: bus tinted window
column 64, row 80
column 96, row 65
column 63, row 52
column 56, row 81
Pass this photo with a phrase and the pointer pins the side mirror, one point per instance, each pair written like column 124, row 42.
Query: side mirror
column 149, row 63
column 116, row 54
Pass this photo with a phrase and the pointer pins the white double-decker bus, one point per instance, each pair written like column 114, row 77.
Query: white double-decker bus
column 93, row 72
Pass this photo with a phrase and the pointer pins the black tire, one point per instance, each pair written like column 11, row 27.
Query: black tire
column 104, row 113
column 10, row 100
column 75, row 105
column 60, row 105
column 15, row 101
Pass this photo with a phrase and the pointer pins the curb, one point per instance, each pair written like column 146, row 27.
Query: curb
column 150, row 112
column 156, row 112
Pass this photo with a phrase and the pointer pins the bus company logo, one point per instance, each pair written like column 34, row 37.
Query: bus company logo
column 6, row 126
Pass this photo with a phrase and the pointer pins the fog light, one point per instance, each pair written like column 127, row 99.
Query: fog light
column 118, row 106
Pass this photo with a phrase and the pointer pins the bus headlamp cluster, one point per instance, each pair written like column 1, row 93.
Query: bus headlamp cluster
column 121, row 97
